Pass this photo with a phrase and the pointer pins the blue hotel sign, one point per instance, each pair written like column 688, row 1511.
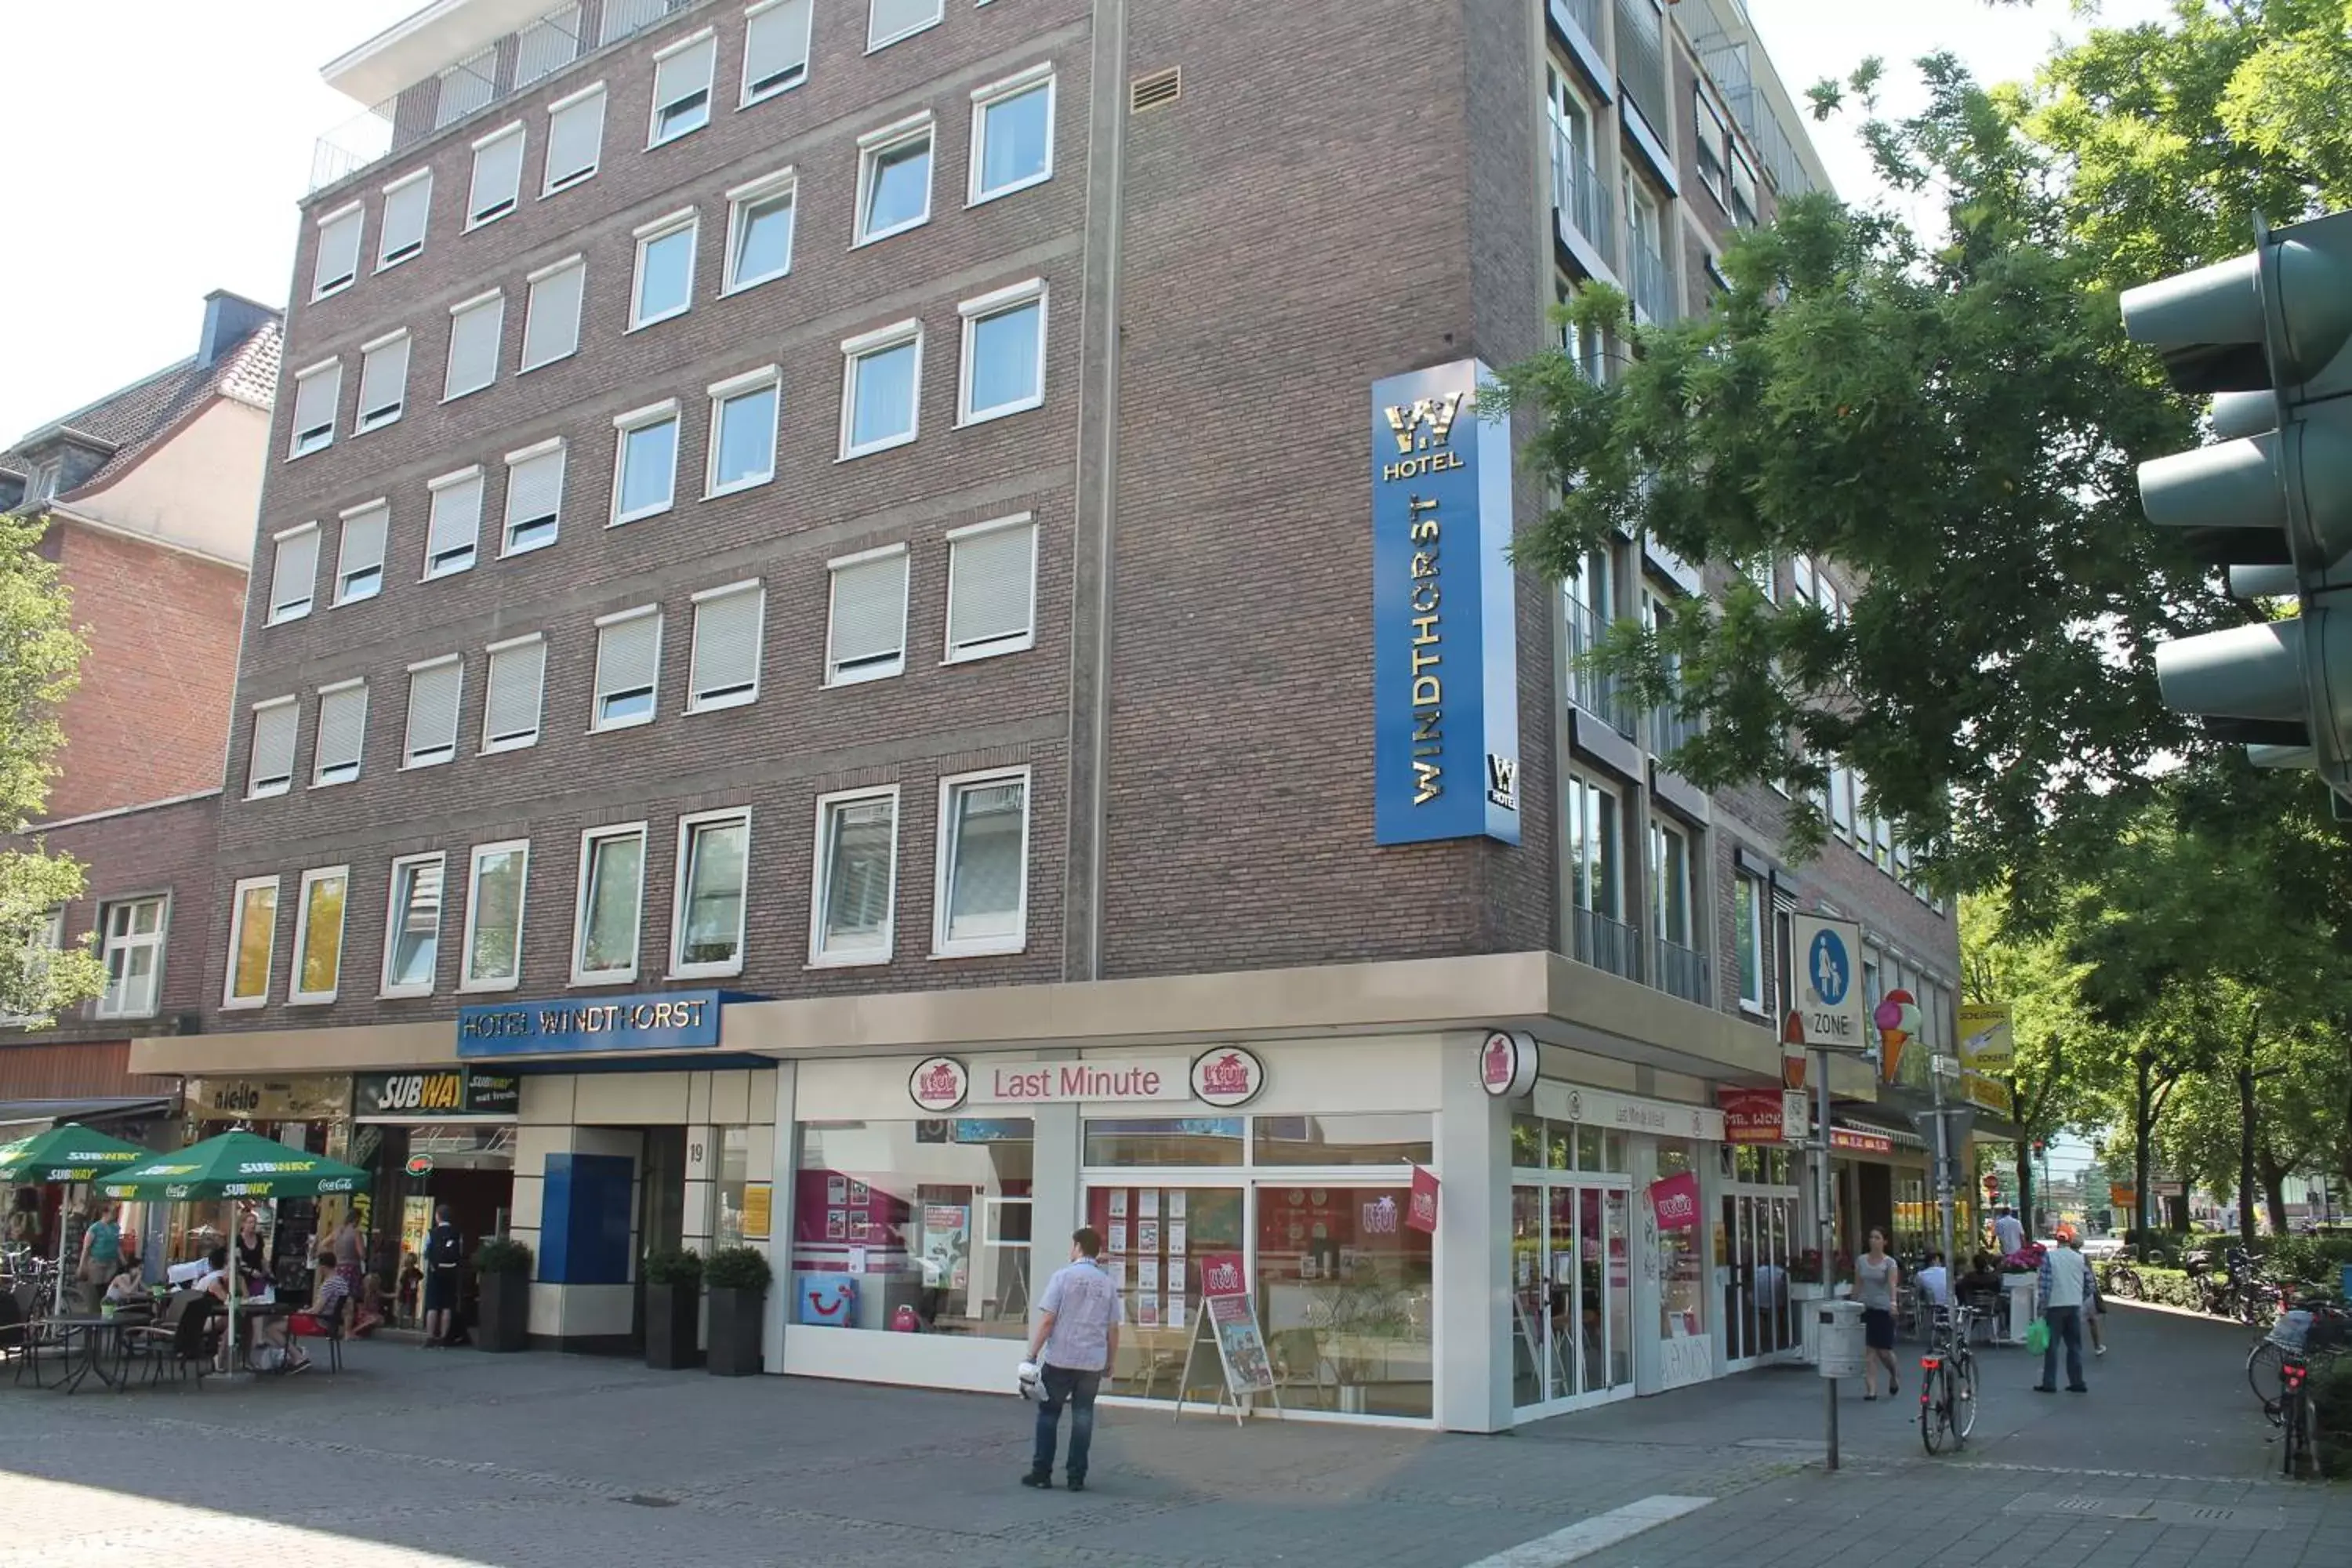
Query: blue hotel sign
column 1445, row 723
column 670, row 1021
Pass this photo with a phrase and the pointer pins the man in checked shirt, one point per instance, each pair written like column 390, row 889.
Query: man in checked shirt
column 1073, row 1342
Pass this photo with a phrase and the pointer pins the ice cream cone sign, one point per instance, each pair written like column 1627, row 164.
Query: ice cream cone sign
column 1898, row 1024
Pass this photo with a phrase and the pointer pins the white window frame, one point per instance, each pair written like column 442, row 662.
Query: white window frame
column 890, row 138
column 708, row 39
column 524, row 364
column 506, row 545
column 435, row 488
column 490, row 747
column 321, row 285
column 342, row 544
column 230, row 1000
column 785, row 181
column 983, row 98
column 820, row 881
column 938, row 14
column 254, row 789
column 629, row 424
column 752, row 93
column 495, row 303
column 695, row 701
column 395, row 913
column 999, row 302
column 1747, row 886
column 362, row 423
column 408, row 758
column 294, row 446
column 385, row 261
column 686, row 221
column 855, row 351
column 319, row 779
column 597, row 723
column 589, row 838
column 282, row 610
column 477, row 218
column 679, row 968
column 550, row 183
column 467, row 980
column 875, row 669
column 109, row 945
column 995, row 647
column 767, row 378
column 943, row 871
column 295, row 995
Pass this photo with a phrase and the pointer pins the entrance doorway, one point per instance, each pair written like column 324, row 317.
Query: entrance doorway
column 661, row 1210
column 1759, row 1229
column 1571, row 1296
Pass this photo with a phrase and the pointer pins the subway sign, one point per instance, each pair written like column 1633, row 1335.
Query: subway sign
column 453, row 1091
column 1446, row 669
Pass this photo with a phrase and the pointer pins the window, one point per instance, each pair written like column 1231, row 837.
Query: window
column 130, row 935
column 612, row 887
column 1784, row 947
column 494, row 904
column 407, row 204
column 760, row 229
column 882, row 371
column 512, row 694
column 743, row 432
column 725, row 671
column 1595, row 851
column 476, row 328
column 1004, row 353
column 457, row 522
column 575, row 138
column 991, row 588
column 665, row 281
column 983, row 868
column 319, row 936
column 1743, row 189
column 252, row 935
column 1802, row 579
column 714, row 858
column 645, row 459
column 1711, row 142
column 866, row 639
column 891, row 20
column 628, row 666
column 45, row 938
column 383, row 381
column 1670, row 886
column 342, row 732
column 551, row 322
column 269, row 766
column 1841, row 799
column 358, row 566
column 894, row 179
column 775, row 48
column 294, row 574
column 682, row 87
column 1747, row 934
column 433, row 691
column 1013, row 134
column 412, row 924
column 45, row 477
column 338, row 261
column 534, row 496
column 856, row 870
column 316, row 392
column 498, row 175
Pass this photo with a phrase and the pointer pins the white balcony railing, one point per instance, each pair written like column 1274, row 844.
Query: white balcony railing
column 1578, row 197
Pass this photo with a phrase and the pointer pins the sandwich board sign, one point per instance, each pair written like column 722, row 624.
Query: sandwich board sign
column 1226, row 1326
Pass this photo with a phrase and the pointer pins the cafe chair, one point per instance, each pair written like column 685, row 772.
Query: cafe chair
column 26, row 1335
column 190, row 1341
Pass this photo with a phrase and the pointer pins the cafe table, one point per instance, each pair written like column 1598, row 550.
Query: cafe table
column 251, row 1315
column 95, row 1333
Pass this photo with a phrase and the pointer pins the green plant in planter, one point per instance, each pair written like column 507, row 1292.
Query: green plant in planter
column 501, row 1255
column 674, row 1266
column 738, row 1269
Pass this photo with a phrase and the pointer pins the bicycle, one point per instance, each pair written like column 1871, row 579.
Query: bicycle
column 2121, row 1280
column 2318, row 1327
column 1948, row 1382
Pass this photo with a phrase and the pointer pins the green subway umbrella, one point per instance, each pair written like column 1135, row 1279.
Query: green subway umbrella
column 69, row 1153
column 234, row 1165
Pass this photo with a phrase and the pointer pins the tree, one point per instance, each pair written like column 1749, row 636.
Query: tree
column 39, row 667
column 2052, row 1087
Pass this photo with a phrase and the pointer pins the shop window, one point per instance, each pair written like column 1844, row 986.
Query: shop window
column 1683, row 1266
column 1154, row 1238
column 1600, row 1148
column 734, row 1152
column 1404, row 1139
column 1173, row 1141
column 1540, row 1145
column 1344, row 1295
column 915, row 1225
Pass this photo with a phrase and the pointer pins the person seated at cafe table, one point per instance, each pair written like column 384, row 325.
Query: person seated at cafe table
column 269, row 1331
column 129, row 1286
column 328, row 1302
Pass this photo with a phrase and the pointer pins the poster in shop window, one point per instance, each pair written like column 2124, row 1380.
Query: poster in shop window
column 1119, row 1235
column 1119, row 1203
column 1176, row 1203
column 1146, row 1236
column 1175, row 1238
column 1150, row 1203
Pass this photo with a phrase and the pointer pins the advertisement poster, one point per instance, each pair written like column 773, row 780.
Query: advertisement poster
column 1220, row 1275
column 1176, row 1307
column 836, row 1224
column 1176, row 1204
column 1146, row 1312
column 1150, row 1203
column 1420, row 1208
column 946, row 1245
column 859, row 1195
column 1676, row 1201
column 1242, row 1346
column 1118, row 1237
column 836, row 1190
column 1147, row 1276
column 1146, row 1236
column 1175, row 1238
column 415, row 1224
column 860, row 1228
column 1118, row 1271
column 1118, row 1204
column 759, row 1209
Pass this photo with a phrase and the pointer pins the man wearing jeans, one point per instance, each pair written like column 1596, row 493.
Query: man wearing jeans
column 1075, row 1337
column 2065, row 1283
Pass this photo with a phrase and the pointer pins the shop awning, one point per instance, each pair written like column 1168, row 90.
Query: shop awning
column 1894, row 1112
column 19, row 1118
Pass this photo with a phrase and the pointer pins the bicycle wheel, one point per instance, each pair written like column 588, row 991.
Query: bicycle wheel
column 2262, row 1375
column 1935, row 1409
column 1965, row 1411
column 2125, row 1283
column 2296, row 1413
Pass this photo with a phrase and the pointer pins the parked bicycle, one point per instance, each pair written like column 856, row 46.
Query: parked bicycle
column 2306, row 1338
column 1948, row 1382
column 2118, row 1278
column 2321, row 1326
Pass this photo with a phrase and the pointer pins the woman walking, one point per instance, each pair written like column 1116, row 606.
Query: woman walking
column 101, row 1252
column 1875, row 1277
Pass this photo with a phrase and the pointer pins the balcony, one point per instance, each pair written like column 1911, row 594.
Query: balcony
column 1670, row 730
column 1654, row 285
column 1679, row 972
column 1604, row 943
column 1596, row 691
column 1581, row 205
column 1726, row 59
column 1642, row 63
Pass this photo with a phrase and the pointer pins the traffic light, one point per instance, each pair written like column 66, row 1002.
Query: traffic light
column 2271, row 501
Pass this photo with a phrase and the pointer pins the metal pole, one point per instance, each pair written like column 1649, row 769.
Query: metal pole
column 1944, row 1160
column 1827, row 1225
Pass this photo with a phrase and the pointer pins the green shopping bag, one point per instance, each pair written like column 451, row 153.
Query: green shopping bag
column 2037, row 1338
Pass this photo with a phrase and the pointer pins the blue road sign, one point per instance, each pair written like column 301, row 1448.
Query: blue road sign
column 1832, row 968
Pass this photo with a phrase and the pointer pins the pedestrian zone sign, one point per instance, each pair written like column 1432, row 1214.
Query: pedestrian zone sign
column 1832, row 1012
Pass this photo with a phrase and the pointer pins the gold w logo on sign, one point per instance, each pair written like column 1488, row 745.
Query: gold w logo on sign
column 1424, row 424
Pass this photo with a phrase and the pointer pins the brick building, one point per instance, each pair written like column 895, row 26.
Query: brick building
column 150, row 494
column 816, row 679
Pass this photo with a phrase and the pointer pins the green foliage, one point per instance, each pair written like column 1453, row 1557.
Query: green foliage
column 502, row 1255
column 738, row 1269
column 2331, row 1396
column 674, row 1266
